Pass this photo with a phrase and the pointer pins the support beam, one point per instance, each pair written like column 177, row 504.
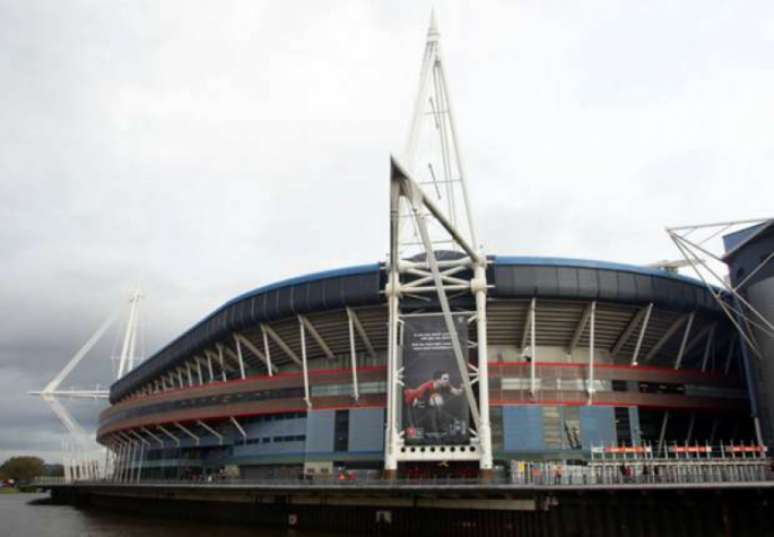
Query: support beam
column 268, row 330
column 139, row 463
column 479, row 289
column 188, row 432
column 190, row 376
column 266, row 349
column 152, row 435
column 353, row 356
column 662, row 434
column 708, row 347
column 666, row 337
column 230, row 354
column 199, row 370
column 684, row 342
column 417, row 198
column 129, row 469
column 175, row 439
column 126, row 360
column 240, row 358
column 731, row 312
column 126, row 467
column 628, row 331
column 527, row 325
column 641, row 336
column 53, row 385
column 222, row 362
column 128, row 458
column 580, row 327
column 392, row 438
column 361, row 331
column 139, row 437
column 696, row 339
column 239, row 428
column 304, row 365
column 533, row 358
column 114, row 448
column 210, row 430
column 730, row 355
column 317, row 337
column 263, row 356
column 212, row 356
column 114, row 457
column 209, row 366
column 206, row 361
column 225, row 367
column 592, row 330
column 118, row 465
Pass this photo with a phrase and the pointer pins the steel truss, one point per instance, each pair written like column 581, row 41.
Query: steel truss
column 437, row 221
column 737, row 308
column 739, row 311
column 82, row 454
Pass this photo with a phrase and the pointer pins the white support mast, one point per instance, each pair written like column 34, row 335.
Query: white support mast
column 695, row 243
column 53, row 386
column 126, row 360
column 709, row 266
column 87, row 451
column 434, row 201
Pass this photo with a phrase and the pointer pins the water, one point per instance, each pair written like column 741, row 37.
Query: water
column 21, row 518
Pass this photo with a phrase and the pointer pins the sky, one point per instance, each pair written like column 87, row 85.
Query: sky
column 208, row 148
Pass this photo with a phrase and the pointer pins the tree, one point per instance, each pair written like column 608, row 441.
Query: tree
column 22, row 468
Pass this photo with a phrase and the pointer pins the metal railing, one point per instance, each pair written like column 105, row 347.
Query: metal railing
column 524, row 475
column 643, row 472
column 609, row 465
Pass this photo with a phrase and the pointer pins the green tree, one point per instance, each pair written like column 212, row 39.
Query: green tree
column 22, row 468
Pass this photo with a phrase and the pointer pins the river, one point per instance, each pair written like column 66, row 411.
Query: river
column 21, row 516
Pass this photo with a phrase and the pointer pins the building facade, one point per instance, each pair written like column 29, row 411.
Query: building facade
column 290, row 378
column 749, row 254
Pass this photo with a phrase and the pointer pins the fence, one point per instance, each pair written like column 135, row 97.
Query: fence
column 642, row 464
column 608, row 465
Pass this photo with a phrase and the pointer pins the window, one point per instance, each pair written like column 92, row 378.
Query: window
column 341, row 431
column 623, row 427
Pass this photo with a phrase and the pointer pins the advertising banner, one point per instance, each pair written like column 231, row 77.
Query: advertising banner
column 435, row 410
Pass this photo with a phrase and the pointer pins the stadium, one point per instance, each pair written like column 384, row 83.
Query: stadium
column 446, row 390
column 290, row 378
column 446, row 361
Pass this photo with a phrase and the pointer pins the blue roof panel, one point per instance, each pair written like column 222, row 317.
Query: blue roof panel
column 594, row 264
column 306, row 278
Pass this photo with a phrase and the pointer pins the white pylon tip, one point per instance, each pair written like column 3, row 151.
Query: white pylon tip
column 432, row 29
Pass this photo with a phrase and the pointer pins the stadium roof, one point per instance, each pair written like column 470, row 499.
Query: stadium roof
column 513, row 277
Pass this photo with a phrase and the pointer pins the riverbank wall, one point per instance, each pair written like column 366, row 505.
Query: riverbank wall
column 482, row 511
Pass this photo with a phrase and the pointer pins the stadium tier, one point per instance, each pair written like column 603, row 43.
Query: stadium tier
column 290, row 378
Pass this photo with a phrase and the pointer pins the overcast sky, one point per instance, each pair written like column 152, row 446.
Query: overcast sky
column 212, row 147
